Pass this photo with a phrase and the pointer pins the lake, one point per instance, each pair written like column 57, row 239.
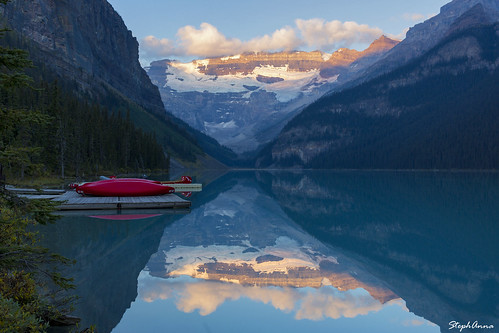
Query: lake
column 296, row 251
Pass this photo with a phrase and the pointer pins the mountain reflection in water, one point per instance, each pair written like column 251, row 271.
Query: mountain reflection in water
column 347, row 251
column 432, row 237
column 242, row 237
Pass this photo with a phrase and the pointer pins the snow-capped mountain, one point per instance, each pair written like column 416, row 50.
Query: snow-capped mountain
column 244, row 100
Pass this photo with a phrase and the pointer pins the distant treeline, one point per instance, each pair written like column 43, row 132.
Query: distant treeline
column 60, row 133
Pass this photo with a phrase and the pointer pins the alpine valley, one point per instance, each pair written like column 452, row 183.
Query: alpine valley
column 428, row 101
column 244, row 100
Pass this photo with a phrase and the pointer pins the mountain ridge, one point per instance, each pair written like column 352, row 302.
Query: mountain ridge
column 297, row 61
column 422, row 115
column 424, row 36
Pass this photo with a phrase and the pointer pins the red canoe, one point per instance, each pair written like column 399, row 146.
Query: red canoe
column 124, row 187
column 182, row 180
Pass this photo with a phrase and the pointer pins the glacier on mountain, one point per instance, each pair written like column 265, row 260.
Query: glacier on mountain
column 187, row 77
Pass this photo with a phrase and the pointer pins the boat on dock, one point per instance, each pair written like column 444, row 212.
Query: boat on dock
column 131, row 187
column 123, row 187
column 157, row 195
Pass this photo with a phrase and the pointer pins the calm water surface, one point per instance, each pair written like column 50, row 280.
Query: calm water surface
column 296, row 252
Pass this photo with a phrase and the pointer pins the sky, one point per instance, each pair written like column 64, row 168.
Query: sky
column 195, row 29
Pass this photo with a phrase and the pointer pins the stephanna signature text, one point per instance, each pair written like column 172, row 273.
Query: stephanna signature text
column 469, row 325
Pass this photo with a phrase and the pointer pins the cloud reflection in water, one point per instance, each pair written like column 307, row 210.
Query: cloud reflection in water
column 307, row 303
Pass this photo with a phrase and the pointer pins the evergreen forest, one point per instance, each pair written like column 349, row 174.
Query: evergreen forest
column 48, row 127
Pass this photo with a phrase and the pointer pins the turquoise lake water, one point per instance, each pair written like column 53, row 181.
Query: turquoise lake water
column 304, row 251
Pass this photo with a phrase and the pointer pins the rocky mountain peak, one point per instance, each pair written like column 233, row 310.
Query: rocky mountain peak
column 293, row 61
column 381, row 44
column 246, row 63
column 342, row 57
column 88, row 42
column 457, row 7
column 476, row 16
column 424, row 36
column 433, row 29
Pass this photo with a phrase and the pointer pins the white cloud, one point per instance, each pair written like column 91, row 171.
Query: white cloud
column 312, row 304
column 154, row 47
column 207, row 41
column 334, row 34
column 282, row 39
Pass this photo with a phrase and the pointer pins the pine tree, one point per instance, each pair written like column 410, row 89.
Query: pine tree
column 18, row 125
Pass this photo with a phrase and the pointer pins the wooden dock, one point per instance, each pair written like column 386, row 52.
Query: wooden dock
column 74, row 201
column 70, row 200
column 32, row 191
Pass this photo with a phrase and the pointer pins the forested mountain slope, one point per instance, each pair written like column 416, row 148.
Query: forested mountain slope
column 47, row 128
column 440, row 111
column 86, row 47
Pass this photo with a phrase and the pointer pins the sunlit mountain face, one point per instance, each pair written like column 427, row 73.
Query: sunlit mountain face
column 244, row 100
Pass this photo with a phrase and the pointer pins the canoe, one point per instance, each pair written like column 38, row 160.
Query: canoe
column 182, row 180
column 123, row 187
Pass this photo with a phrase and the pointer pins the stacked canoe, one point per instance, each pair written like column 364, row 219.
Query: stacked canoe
column 128, row 187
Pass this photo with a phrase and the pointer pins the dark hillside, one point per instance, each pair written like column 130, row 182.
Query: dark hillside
column 441, row 111
column 86, row 47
